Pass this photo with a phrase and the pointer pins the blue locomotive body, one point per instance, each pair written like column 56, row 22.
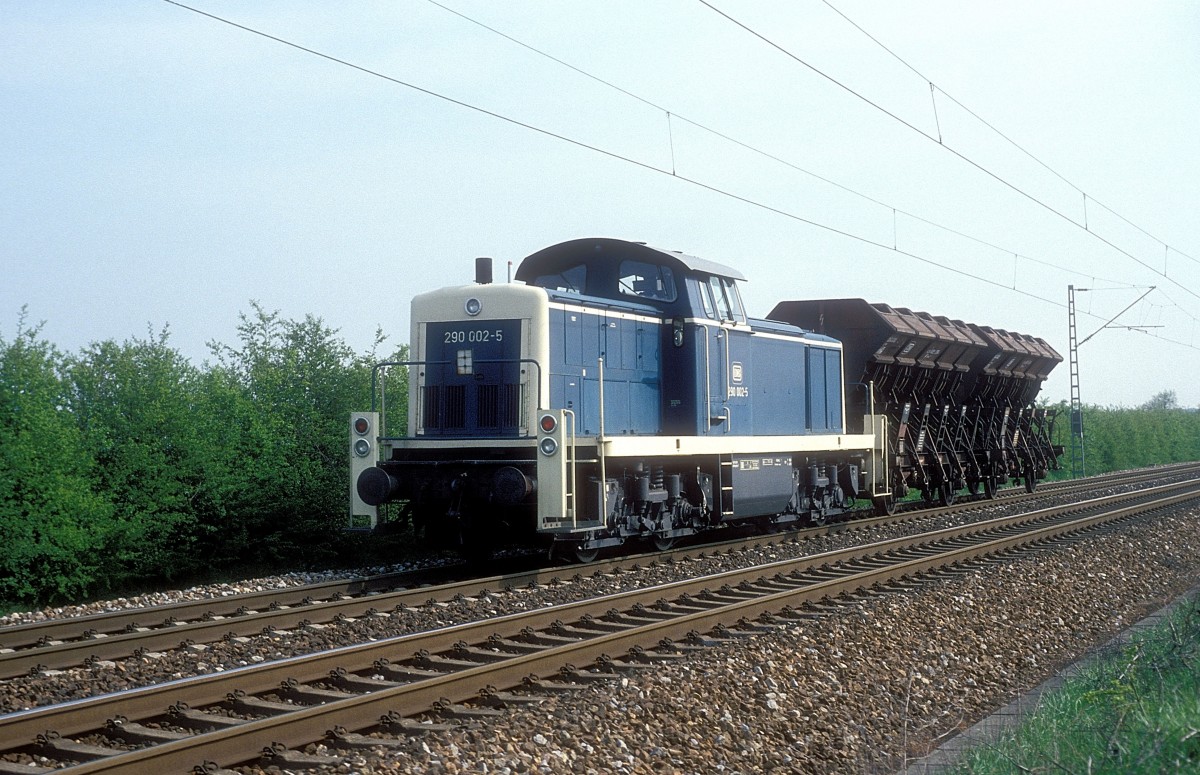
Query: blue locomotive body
column 679, row 354
column 614, row 391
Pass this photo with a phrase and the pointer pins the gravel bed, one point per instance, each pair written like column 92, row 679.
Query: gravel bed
column 218, row 590
column 434, row 559
column 864, row 690
column 53, row 686
column 846, row 693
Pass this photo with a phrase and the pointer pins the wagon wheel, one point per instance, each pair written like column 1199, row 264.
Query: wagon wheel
column 973, row 486
column 989, row 486
column 662, row 543
column 1030, row 480
column 885, row 505
column 946, row 494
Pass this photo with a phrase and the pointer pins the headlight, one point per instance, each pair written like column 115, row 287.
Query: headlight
column 548, row 446
column 473, row 306
column 362, row 447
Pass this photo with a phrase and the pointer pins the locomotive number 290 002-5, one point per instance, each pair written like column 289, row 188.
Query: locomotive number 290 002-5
column 461, row 336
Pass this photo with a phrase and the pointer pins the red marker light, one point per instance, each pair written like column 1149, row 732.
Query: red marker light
column 548, row 423
column 361, row 426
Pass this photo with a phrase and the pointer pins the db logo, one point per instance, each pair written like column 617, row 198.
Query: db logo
column 736, row 371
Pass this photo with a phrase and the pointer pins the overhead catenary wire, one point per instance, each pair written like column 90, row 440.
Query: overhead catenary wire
column 1109, row 322
column 999, row 133
column 968, row 160
column 1167, row 249
column 596, row 149
column 674, row 115
column 895, row 211
column 610, row 154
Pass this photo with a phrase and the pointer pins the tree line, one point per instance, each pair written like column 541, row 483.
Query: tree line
column 124, row 466
column 1157, row 432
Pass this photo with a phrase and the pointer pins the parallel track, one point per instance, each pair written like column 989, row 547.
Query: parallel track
column 290, row 703
column 68, row 642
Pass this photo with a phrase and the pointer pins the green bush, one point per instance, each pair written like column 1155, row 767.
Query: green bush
column 1116, row 438
column 125, row 466
column 136, row 408
column 285, row 395
column 55, row 523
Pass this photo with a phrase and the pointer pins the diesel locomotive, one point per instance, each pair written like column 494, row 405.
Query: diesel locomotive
column 618, row 392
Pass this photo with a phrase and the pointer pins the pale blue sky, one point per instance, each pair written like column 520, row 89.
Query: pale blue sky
column 158, row 167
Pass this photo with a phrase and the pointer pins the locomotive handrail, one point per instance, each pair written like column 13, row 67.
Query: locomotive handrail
column 380, row 393
column 881, row 459
column 600, row 441
column 574, row 455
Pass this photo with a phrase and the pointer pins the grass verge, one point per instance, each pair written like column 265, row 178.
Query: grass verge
column 1136, row 710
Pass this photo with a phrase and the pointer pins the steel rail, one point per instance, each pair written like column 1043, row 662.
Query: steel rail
column 357, row 712
column 64, row 643
column 126, row 633
column 119, row 621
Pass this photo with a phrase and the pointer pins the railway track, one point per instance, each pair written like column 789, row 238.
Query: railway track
column 369, row 693
column 63, row 643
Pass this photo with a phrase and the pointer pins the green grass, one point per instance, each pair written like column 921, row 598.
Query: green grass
column 1136, row 711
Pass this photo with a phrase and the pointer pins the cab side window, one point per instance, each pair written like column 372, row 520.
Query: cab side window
column 724, row 311
column 572, row 279
column 646, row 281
column 706, row 299
column 735, row 300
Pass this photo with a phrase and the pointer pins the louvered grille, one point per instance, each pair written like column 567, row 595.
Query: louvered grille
column 445, row 407
column 496, row 408
column 487, row 410
column 431, row 403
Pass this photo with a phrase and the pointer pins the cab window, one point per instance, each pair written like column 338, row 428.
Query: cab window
column 706, row 300
column 735, row 299
column 724, row 312
column 646, row 281
column 572, row 279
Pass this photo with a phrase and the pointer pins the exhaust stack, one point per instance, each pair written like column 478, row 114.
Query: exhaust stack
column 483, row 270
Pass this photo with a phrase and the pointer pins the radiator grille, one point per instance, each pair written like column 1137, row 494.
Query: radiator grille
column 445, row 406
column 498, row 406
column 459, row 409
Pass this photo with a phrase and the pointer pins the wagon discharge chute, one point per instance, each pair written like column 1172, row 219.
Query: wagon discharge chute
column 958, row 396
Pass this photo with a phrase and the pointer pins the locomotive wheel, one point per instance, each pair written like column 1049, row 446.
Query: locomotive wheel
column 585, row 555
column 885, row 505
column 946, row 494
